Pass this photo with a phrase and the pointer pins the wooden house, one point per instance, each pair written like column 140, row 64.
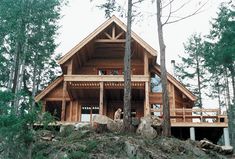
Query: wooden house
column 92, row 83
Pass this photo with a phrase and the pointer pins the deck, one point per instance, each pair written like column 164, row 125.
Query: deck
column 198, row 118
column 195, row 117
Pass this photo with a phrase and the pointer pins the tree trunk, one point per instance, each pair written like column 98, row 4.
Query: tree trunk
column 9, row 83
column 127, row 72
column 219, row 98
column 233, row 82
column 16, row 76
column 231, row 111
column 227, row 87
column 38, row 80
column 199, row 82
column 165, row 99
column 20, row 79
column 34, row 81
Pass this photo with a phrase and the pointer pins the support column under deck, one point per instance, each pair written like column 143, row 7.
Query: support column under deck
column 192, row 133
column 226, row 137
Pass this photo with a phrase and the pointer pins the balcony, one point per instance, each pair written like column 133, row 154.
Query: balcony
column 104, row 78
column 109, row 81
column 195, row 117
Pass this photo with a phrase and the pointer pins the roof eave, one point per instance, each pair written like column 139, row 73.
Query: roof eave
column 75, row 49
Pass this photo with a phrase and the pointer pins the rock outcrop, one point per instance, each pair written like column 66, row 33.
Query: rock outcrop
column 148, row 125
column 207, row 145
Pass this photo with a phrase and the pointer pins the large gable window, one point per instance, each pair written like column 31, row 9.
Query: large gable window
column 156, row 84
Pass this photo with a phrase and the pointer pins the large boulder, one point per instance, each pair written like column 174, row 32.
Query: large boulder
column 78, row 126
column 46, row 135
column 115, row 125
column 102, row 121
column 157, row 124
column 207, row 145
column 145, row 128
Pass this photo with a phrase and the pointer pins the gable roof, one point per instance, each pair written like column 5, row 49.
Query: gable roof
column 101, row 28
column 51, row 86
column 179, row 85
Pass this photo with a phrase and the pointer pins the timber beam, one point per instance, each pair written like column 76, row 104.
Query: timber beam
column 105, row 78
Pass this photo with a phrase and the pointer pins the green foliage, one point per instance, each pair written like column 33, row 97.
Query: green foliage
column 29, row 29
column 219, row 53
column 16, row 133
column 78, row 155
column 192, row 69
column 66, row 131
column 109, row 7
column 27, row 43
column 91, row 145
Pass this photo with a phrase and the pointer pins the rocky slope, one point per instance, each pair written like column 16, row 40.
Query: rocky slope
column 86, row 143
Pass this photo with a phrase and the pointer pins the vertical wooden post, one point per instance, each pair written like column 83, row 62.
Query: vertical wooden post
column 113, row 32
column 70, row 67
column 101, row 104
column 184, row 114
column 71, row 111
column 63, row 101
column 105, row 107
column 91, row 114
column 147, row 110
column 69, row 72
column 79, row 111
column 173, row 102
column 146, row 64
column 44, row 102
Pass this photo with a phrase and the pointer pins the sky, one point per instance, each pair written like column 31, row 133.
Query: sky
column 81, row 17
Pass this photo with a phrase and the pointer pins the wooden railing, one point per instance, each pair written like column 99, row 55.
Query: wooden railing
column 105, row 78
column 194, row 115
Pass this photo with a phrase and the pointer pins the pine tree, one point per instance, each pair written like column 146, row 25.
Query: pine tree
column 27, row 31
column 192, row 70
column 221, row 55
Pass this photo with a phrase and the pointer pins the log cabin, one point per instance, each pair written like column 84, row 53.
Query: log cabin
column 92, row 82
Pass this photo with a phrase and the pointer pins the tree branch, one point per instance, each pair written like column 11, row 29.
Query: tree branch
column 181, row 6
column 190, row 15
column 136, row 2
column 171, row 1
column 168, row 15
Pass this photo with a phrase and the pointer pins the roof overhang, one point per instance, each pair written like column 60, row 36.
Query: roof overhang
column 51, row 86
column 101, row 28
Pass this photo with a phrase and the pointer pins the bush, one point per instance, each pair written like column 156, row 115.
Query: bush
column 78, row 155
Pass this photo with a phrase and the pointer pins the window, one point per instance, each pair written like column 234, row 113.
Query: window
column 102, row 72
column 88, row 112
column 114, row 72
column 156, row 84
column 109, row 71
column 156, row 107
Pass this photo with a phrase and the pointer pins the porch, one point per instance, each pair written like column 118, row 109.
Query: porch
column 184, row 117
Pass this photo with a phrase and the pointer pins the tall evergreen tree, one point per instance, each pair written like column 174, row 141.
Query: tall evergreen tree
column 221, row 53
column 28, row 29
column 223, row 43
column 192, row 71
